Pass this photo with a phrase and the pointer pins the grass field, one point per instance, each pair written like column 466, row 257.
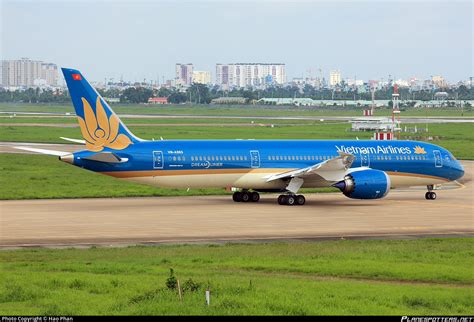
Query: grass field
column 409, row 277
column 241, row 110
column 40, row 177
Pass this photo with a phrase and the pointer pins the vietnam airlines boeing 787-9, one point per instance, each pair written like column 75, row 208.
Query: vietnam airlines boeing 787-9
column 360, row 169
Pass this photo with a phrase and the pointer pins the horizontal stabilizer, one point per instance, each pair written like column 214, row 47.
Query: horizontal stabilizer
column 106, row 157
column 43, row 151
column 73, row 140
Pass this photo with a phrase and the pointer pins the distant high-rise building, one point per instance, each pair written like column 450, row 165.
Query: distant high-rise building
column 439, row 81
column 184, row 74
column 334, row 78
column 50, row 74
column 27, row 72
column 201, row 77
column 250, row 74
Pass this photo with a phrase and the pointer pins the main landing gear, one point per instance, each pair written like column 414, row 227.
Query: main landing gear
column 291, row 200
column 430, row 195
column 288, row 199
column 246, row 196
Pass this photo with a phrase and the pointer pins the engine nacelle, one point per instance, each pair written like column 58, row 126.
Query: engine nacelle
column 365, row 184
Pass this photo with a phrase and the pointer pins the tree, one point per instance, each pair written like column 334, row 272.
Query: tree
column 136, row 95
column 177, row 97
column 199, row 93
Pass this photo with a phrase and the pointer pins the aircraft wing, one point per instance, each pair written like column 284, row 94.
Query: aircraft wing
column 330, row 170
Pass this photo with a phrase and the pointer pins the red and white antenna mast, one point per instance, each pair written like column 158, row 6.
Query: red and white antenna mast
column 395, row 111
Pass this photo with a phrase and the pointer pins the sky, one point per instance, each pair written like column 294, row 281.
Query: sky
column 144, row 39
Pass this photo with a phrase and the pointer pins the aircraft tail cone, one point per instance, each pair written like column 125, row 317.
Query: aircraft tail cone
column 69, row 158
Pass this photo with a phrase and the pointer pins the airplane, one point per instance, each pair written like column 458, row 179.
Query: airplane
column 360, row 169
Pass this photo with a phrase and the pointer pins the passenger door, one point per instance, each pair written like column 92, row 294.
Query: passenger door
column 158, row 160
column 364, row 159
column 254, row 159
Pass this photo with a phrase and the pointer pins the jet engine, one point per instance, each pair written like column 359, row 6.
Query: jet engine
column 365, row 184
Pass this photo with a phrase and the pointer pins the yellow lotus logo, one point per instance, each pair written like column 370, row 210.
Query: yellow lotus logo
column 99, row 131
column 419, row 150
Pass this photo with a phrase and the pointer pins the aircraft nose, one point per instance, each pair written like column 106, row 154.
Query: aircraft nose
column 459, row 169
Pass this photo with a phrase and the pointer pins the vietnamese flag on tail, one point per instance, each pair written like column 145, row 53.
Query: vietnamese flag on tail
column 76, row 76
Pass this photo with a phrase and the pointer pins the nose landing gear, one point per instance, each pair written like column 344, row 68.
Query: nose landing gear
column 430, row 195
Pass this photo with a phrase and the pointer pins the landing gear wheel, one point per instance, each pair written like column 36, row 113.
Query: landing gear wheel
column 237, row 196
column 255, row 196
column 290, row 200
column 430, row 195
column 245, row 196
column 281, row 199
column 300, row 200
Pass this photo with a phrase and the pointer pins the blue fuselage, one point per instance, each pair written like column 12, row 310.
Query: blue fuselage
column 156, row 158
